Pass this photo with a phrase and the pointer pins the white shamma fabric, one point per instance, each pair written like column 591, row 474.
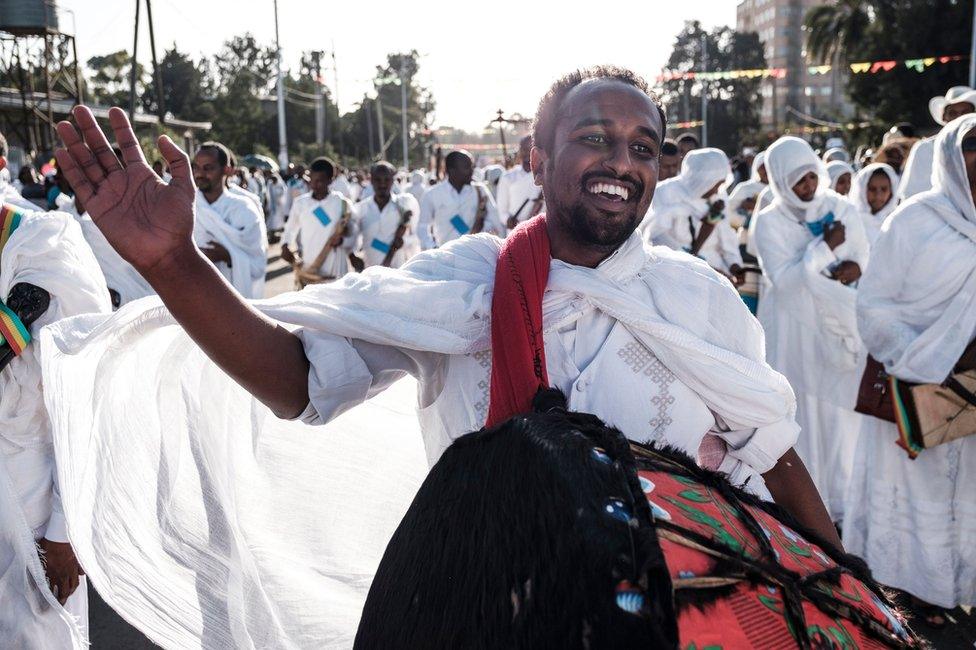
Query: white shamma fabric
column 914, row 521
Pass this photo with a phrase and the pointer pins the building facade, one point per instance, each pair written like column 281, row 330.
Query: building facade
column 779, row 24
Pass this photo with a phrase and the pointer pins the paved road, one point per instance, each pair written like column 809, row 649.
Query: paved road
column 110, row 632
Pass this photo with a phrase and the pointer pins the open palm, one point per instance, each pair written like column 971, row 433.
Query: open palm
column 145, row 219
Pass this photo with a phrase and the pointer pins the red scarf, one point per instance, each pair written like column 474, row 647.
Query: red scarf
column 518, row 365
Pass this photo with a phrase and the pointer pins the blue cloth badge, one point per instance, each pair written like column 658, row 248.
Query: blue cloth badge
column 459, row 224
column 817, row 227
column 321, row 215
column 380, row 246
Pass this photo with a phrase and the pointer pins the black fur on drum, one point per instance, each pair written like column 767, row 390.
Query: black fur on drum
column 29, row 302
column 508, row 544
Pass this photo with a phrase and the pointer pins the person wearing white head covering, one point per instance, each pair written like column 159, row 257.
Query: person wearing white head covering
column 841, row 174
column 812, row 248
column 418, row 184
column 836, row 153
column 687, row 212
column 914, row 521
column 917, row 173
column 873, row 195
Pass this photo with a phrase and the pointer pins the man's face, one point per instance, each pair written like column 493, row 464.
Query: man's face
column 599, row 178
column 318, row 183
column 896, row 157
column 684, row 147
column 843, row 184
column 382, row 180
column 806, row 187
column 460, row 172
column 878, row 191
column 669, row 166
column 969, row 156
column 763, row 174
column 952, row 111
column 208, row 173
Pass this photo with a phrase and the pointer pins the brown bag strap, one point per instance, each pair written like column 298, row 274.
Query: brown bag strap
column 956, row 387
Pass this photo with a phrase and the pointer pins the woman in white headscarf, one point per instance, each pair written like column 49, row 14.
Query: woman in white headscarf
column 812, row 248
column 914, row 521
column 688, row 212
column 874, row 196
column 841, row 175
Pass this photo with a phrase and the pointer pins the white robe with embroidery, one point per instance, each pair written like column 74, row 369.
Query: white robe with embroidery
column 273, row 529
column 48, row 251
column 377, row 228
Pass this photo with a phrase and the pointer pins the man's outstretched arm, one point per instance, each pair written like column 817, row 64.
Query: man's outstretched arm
column 150, row 224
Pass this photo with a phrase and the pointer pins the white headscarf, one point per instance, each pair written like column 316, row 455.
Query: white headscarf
column 859, row 191
column 701, row 170
column 836, row 169
column 836, row 153
column 787, row 161
column 954, row 201
column 757, row 162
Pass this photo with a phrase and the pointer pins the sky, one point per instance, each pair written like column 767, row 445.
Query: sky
column 476, row 57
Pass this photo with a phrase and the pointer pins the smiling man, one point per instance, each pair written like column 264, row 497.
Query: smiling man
column 652, row 341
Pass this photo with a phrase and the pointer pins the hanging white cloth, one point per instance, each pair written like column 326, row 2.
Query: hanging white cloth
column 914, row 520
column 809, row 318
column 46, row 250
column 859, row 198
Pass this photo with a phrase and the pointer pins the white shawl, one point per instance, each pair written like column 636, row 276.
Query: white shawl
column 47, row 250
column 921, row 337
column 859, row 198
column 209, row 226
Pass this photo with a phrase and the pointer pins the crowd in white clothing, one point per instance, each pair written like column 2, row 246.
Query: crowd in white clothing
column 845, row 262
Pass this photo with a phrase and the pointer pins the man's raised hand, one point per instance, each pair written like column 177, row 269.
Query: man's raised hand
column 145, row 219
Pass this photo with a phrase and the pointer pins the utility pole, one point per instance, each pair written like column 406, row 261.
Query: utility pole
column 972, row 54
column 132, row 73
column 379, row 125
column 319, row 99
column 335, row 97
column 704, row 90
column 369, row 126
column 404, row 135
column 157, row 74
column 282, row 135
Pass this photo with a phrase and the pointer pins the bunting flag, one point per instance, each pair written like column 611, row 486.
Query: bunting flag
column 861, row 67
column 685, row 125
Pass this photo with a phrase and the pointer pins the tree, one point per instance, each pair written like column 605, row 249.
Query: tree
column 109, row 83
column 835, row 30
column 733, row 104
column 898, row 30
column 403, row 67
column 182, row 83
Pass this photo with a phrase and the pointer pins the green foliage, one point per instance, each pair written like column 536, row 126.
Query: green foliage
column 871, row 30
column 733, row 104
column 236, row 90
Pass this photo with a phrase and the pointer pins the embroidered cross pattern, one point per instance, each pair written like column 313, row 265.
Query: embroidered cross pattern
column 641, row 361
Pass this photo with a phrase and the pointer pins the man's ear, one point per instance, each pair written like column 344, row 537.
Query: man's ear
column 537, row 159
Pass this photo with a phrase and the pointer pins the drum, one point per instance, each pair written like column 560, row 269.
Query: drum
column 552, row 530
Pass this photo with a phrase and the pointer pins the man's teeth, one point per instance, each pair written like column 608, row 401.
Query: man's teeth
column 608, row 188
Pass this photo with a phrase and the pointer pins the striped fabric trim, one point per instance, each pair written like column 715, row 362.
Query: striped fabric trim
column 906, row 437
column 10, row 218
column 12, row 330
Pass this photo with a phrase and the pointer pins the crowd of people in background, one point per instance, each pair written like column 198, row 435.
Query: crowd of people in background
column 851, row 262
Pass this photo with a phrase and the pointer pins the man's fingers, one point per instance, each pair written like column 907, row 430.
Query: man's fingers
column 76, row 178
column 179, row 164
column 82, row 155
column 125, row 136
column 96, row 140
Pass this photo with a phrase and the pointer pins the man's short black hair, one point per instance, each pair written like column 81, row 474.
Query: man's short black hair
column 690, row 138
column 323, row 165
column 544, row 126
column 220, row 151
column 669, row 148
column 455, row 158
column 384, row 165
